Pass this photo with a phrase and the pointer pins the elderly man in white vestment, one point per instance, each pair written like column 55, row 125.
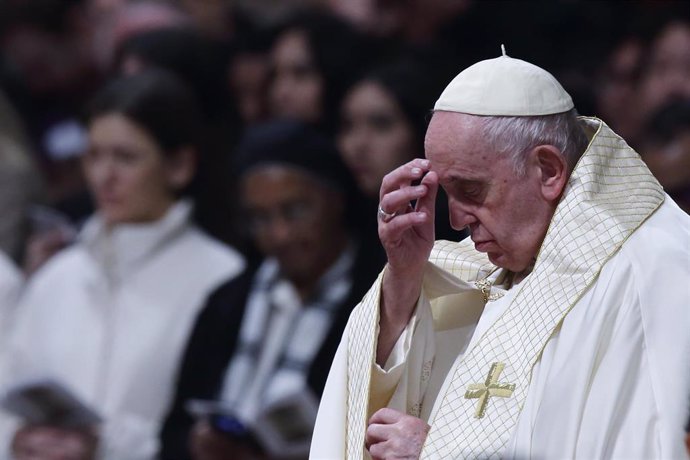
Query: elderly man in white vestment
column 559, row 329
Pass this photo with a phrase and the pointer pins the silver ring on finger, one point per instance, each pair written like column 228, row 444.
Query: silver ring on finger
column 385, row 216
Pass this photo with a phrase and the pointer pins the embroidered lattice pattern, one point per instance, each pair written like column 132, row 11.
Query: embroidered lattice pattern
column 609, row 195
column 361, row 354
column 459, row 259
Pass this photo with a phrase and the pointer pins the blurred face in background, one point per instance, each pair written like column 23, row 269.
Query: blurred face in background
column 129, row 176
column 669, row 161
column 668, row 73
column 296, row 90
column 48, row 62
column 375, row 137
column 617, row 90
column 248, row 79
column 295, row 218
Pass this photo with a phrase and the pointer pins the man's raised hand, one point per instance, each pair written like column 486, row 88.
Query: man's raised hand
column 407, row 237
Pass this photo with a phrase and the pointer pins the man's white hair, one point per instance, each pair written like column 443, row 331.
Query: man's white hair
column 515, row 136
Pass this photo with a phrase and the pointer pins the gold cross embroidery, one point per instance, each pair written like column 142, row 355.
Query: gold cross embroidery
column 489, row 388
column 485, row 287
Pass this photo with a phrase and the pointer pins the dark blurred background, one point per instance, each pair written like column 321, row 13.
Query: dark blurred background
column 627, row 62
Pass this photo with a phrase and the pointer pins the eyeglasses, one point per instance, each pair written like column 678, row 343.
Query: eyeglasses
column 295, row 213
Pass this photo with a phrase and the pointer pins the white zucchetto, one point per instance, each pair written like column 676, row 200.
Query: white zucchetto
column 504, row 87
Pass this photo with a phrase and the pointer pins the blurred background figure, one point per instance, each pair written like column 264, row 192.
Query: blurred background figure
column 48, row 74
column 215, row 18
column 314, row 59
column 250, row 70
column 667, row 74
column 20, row 182
column 667, row 149
column 109, row 316
column 203, row 64
column 10, row 285
column 619, row 77
column 383, row 123
column 412, row 21
column 115, row 21
column 20, row 191
column 271, row 333
column 54, row 55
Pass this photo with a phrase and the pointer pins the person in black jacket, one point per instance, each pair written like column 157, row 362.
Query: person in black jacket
column 271, row 333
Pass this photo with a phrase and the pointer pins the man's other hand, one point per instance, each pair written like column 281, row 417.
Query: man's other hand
column 394, row 435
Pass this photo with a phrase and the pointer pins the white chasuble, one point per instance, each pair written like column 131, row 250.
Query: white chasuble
column 497, row 397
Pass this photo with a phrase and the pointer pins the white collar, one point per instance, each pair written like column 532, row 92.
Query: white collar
column 121, row 248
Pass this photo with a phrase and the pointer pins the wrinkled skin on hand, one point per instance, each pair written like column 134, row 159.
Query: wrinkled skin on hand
column 408, row 239
column 394, row 435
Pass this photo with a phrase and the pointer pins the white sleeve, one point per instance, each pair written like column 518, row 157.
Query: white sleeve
column 401, row 383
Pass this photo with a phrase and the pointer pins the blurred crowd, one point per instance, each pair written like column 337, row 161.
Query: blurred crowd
column 188, row 189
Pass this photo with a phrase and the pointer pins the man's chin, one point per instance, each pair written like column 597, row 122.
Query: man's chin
column 500, row 260
column 496, row 259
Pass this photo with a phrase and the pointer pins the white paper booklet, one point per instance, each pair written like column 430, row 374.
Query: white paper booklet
column 283, row 429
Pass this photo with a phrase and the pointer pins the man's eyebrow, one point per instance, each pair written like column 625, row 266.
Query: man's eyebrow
column 461, row 180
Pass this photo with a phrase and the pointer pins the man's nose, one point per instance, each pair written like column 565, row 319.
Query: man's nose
column 460, row 216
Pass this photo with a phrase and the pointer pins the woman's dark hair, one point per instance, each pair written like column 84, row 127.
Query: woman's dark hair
column 158, row 102
column 339, row 52
column 199, row 61
column 669, row 121
column 415, row 81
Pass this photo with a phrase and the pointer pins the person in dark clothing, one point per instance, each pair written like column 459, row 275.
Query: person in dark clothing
column 272, row 332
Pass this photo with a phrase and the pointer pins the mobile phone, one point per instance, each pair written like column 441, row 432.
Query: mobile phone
column 228, row 424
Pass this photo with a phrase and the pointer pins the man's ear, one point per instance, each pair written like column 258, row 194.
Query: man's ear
column 182, row 167
column 553, row 171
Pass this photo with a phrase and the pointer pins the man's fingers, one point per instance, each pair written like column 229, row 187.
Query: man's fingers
column 403, row 175
column 394, row 229
column 427, row 201
column 379, row 451
column 398, row 201
column 386, row 415
column 376, row 432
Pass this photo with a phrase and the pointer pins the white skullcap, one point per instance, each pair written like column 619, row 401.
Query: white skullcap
column 504, row 87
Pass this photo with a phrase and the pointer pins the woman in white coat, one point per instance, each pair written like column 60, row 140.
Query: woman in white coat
column 109, row 316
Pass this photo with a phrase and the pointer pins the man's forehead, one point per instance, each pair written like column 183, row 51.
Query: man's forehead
column 451, row 122
column 450, row 133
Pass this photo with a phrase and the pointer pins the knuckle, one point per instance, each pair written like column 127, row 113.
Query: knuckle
column 384, row 202
column 384, row 232
column 377, row 451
